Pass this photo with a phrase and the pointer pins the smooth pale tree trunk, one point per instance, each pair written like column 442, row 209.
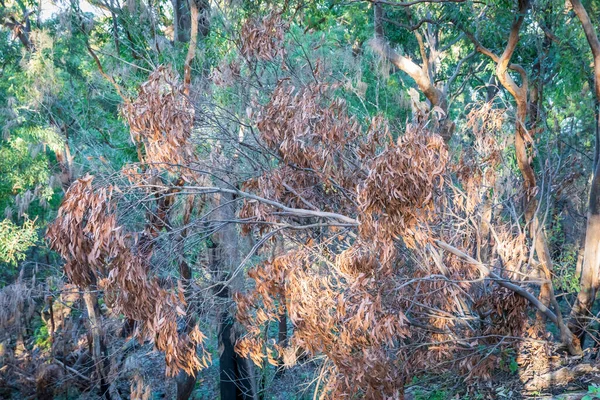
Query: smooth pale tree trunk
column 581, row 310
column 589, row 281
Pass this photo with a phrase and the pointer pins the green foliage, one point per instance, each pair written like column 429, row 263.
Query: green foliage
column 16, row 240
column 42, row 337
column 565, row 276
column 26, row 157
column 54, row 99
column 437, row 394
column 592, row 393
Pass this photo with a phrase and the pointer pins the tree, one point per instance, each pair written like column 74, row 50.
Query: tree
column 363, row 195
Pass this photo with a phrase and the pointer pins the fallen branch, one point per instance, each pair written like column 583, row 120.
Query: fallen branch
column 560, row 377
column 73, row 370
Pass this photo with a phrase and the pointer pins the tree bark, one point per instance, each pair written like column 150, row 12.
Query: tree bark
column 236, row 381
column 521, row 138
column 99, row 353
column 185, row 381
column 420, row 74
column 581, row 310
column 282, row 335
column 182, row 19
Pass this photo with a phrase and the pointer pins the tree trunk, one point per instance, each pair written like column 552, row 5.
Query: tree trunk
column 581, row 310
column 282, row 336
column 235, row 374
column 99, row 353
column 182, row 19
column 235, row 377
column 591, row 256
column 186, row 382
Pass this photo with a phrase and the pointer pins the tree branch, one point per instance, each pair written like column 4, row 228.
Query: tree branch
column 300, row 212
column 504, row 61
column 433, row 94
column 566, row 336
column 412, row 3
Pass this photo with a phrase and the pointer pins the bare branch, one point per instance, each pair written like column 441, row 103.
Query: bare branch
column 300, row 212
column 410, row 27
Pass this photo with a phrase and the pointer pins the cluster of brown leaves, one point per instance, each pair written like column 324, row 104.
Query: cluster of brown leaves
column 262, row 38
column 322, row 149
column 161, row 118
column 304, row 131
column 99, row 252
column 360, row 320
column 506, row 310
column 507, row 327
column 317, row 143
column 346, row 318
column 399, row 192
column 83, row 232
column 513, row 251
column 346, row 304
column 379, row 311
column 293, row 187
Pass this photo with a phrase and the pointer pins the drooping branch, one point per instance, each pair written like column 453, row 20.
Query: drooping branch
column 567, row 336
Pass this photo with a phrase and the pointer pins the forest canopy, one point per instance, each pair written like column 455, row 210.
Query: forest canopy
column 296, row 199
